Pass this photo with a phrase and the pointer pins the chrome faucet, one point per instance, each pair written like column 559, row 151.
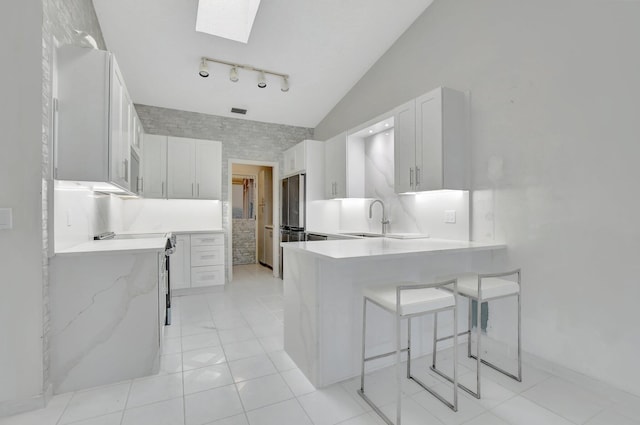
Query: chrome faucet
column 384, row 220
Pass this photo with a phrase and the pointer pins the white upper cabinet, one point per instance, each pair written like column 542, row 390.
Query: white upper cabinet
column 194, row 168
column 181, row 170
column 344, row 167
column 154, row 167
column 404, row 146
column 295, row 159
column 431, row 143
column 335, row 171
column 94, row 118
column 138, row 133
column 208, row 173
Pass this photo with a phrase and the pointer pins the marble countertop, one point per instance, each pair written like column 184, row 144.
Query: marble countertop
column 116, row 246
column 386, row 247
column 155, row 242
column 183, row 231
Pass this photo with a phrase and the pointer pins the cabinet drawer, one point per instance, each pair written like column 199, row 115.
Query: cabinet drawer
column 207, row 276
column 207, row 256
column 207, row 239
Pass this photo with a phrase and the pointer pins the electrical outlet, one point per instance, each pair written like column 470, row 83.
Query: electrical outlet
column 450, row 216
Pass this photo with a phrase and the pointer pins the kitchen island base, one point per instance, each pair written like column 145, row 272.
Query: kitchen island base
column 323, row 304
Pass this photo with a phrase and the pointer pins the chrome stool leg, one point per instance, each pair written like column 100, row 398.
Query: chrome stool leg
column 478, row 298
column 376, row 298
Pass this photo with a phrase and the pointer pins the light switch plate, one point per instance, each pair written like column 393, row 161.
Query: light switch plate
column 6, row 218
column 450, row 216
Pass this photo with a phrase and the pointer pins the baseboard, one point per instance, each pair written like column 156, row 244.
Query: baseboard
column 14, row 407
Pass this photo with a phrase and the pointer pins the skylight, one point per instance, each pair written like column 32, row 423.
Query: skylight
column 230, row 19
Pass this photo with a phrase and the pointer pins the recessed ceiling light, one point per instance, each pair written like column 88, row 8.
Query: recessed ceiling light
column 231, row 19
column 386, row 124
column 370, row 131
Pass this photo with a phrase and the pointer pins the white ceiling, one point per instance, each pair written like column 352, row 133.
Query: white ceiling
column 325, row 46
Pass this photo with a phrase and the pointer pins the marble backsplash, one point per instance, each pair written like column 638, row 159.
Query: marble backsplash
column 79, row 214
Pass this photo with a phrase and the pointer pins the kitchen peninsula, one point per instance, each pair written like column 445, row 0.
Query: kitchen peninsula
column 323, row 283
column 107, row 312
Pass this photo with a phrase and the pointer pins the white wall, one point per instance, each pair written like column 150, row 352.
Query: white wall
column 555, row 87
column 21, row 262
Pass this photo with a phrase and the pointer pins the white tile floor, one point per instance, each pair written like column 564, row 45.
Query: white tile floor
column 223, row 364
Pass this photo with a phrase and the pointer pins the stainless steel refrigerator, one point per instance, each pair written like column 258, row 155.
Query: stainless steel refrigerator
column 292, row 211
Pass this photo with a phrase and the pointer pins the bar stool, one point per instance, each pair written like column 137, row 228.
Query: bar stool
column 483, row 288
column 407, row 301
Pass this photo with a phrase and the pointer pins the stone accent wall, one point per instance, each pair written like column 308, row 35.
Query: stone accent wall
column 244, row 241
column 241, row 139
column 60, row 19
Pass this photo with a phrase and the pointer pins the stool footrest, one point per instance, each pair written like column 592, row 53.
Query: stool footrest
column 375, row 408
column 379, row 356
column 448, row 378
column 444, row 338
column 434, row 393
column 499, row 369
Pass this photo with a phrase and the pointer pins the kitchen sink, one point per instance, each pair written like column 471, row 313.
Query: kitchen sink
column 364, row 235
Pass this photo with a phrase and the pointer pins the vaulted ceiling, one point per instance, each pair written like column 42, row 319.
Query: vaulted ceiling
column 325, row 46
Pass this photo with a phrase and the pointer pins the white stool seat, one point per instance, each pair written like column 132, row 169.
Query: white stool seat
column 492, row 287
column 412, row 301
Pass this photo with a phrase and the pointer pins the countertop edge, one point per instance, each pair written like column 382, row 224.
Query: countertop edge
column 484, row 247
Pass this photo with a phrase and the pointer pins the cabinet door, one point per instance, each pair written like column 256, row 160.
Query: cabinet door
column 137, row 132
column 405, row 147
column 181, row 168
column 154, row 168
column 300, row 157
column 335, row 167
column 208, row 169
column 120, row 110
column 268, row 260
column 429, row 148
column 289, row 161
column 180, row 263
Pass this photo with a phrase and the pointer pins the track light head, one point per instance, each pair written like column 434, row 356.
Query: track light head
column 262, row 80
column 284, row 86
column 204, row 69
column 233, row 74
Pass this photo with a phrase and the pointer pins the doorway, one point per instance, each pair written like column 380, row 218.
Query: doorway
column 253, row 213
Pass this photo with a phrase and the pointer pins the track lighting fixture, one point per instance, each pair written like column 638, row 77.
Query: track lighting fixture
column 233, row 72
column 262, row 80
column 284, row 86
column 204, row 69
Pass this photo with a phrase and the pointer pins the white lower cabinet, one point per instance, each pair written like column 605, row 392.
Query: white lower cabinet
column 198, row 261
column 180, row 263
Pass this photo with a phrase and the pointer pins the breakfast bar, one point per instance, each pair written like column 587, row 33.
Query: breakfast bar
column 323, row 283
